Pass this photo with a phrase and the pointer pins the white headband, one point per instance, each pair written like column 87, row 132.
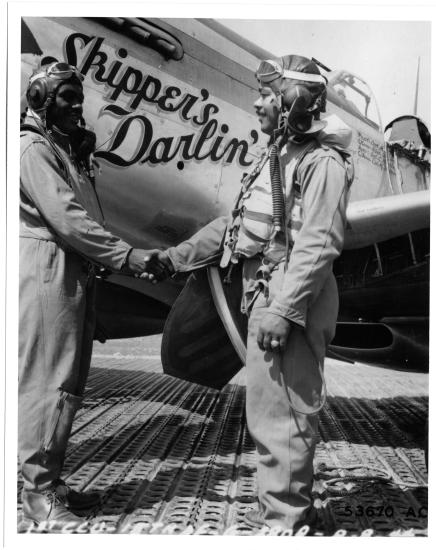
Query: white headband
column 296, row 75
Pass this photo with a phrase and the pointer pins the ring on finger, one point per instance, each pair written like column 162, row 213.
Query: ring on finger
column 275, row 343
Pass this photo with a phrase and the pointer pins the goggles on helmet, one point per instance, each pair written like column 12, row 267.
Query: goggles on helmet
column 270, row 70
column 59, row 71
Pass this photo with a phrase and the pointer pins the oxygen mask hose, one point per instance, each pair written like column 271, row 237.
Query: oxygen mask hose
column 278, row 201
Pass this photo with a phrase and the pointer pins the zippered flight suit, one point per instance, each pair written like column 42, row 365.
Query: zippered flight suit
column 60, row 233
column 306, row 294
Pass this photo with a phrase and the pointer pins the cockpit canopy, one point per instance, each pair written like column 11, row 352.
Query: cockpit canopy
column 353, row 95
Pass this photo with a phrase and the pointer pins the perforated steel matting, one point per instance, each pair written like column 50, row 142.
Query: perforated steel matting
column 172, row 457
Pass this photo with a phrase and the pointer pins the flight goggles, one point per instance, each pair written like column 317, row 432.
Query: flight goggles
column 59, row 71
column 270, row 70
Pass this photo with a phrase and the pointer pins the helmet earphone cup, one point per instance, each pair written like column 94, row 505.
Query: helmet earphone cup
column 297, row 100
column 43, row 85
column 37, row 94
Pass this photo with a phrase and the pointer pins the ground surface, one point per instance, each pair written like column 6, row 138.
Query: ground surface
column 171, row 457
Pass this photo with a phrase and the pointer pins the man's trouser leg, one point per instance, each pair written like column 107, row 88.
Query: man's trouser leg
column 55, row 343
column 285, row 439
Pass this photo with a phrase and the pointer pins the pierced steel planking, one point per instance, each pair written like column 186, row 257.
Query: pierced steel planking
column 171, row 456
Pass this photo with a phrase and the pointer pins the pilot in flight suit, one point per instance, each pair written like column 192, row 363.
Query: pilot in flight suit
column 289, row 291
column 61, row 238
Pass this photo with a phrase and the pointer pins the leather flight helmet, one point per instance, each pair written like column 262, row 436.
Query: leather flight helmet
column 43, row 85
column 302, row 88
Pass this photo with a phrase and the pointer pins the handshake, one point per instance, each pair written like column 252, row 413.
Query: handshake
column 153, row 265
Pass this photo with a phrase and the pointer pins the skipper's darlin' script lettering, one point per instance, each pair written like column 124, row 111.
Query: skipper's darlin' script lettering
column 208, row 140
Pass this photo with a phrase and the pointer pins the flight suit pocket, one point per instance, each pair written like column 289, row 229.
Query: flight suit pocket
column 258, row 299
column 76, row 274
column 65, row 274
column 261, row 289
column 273, row 285
column 49, row 251
column 59, row 424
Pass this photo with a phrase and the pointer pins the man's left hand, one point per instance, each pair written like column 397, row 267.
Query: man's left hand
column 273, row 333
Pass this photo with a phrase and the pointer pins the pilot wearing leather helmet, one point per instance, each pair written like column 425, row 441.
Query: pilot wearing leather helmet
column 286, row 229
column 62, row 238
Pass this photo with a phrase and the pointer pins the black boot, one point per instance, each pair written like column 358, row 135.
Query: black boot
column 74, row 500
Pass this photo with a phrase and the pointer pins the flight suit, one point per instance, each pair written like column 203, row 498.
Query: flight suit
column 60, row 233
column 305, row 293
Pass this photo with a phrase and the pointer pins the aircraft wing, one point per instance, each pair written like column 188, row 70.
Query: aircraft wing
column 374, row 220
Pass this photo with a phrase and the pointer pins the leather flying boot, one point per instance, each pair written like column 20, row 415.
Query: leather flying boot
column 47, row 506
column 312, row 523
column 255, row 519
column 75, row 500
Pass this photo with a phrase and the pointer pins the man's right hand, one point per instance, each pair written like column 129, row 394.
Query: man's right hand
column 153, row 265
column 158, row 266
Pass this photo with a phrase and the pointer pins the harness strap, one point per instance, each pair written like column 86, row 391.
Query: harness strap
column 265, row 218
column 252, row 235
column 257, row 216
column 229, row 237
